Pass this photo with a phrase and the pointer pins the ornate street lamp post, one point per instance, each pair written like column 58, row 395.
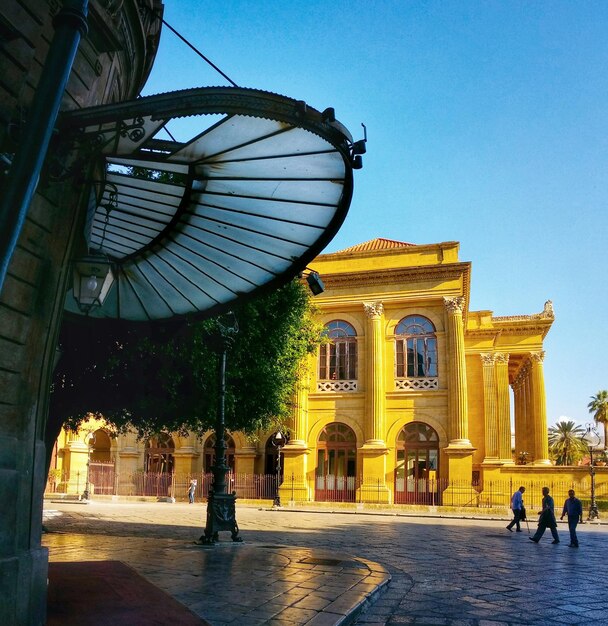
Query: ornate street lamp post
column 221, row 509
column 278, row 441
column 593, row 440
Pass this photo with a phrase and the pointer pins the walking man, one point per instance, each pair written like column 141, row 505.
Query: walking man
column 546, row 519
column 192, row 490
column 517, row 506
column 574, row 509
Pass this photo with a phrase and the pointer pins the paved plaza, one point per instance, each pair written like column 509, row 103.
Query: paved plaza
column 321, row 568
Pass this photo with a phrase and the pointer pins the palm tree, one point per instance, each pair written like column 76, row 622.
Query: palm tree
column 565, row 442
column 599, row 407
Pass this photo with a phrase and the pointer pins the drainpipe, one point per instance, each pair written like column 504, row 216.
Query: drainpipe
column 22, row 177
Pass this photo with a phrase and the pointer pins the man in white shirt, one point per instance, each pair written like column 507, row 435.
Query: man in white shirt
column 517, row 506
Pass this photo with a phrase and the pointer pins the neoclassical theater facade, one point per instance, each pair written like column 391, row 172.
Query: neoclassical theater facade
column 414, row 399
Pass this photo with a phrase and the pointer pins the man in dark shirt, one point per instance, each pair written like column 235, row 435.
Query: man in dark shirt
column 546, row 519
column 574, row 509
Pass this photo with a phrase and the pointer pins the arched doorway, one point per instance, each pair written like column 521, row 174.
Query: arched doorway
column 336, row 464
column 101, row 465
column 158, row 474
column 417, row 464
column 271, row 457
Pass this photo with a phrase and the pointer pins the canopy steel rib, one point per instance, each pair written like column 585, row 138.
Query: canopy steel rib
column 240, row 243
column 224, row 268
column 226, row 253
column 252, row 230
column 251, row 214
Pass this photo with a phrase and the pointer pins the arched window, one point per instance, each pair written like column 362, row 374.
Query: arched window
column 417, row 464
column 159, row 454
column 338, row 357
column 336, row 464
column 415, row 348
column 210, row 453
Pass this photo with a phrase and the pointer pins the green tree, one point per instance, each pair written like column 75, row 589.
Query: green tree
column 599, row 407
column 163, row 377
column 566, row 445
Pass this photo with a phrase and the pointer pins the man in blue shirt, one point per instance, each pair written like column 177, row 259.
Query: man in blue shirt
column 517, row 506
column 574, row 509
column 546, row 519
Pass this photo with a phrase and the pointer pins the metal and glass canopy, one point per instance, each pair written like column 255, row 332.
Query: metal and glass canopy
column 257, row 188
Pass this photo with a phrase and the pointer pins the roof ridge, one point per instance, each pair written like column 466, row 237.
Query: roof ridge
column 379, row 243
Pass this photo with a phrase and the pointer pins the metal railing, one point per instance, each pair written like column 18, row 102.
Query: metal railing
column 433, row 492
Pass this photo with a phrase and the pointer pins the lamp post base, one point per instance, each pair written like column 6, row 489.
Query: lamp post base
column 221, row 515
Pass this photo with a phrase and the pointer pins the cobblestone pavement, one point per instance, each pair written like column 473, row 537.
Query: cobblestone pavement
column 453, row 572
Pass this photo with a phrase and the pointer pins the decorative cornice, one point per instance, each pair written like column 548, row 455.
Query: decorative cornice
column 393, row 275
column 546, row 314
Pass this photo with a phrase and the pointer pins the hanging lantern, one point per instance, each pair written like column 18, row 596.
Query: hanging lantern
column 93, row 278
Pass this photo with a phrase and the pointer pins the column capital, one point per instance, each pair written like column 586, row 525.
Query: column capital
column 454, row 305
column 502, row 357
column 373, row 309
column 537, row 357
column 487, row 358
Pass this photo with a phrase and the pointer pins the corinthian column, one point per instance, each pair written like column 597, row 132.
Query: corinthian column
column 539, row 414
column 457, row 375
column 375, row 373
column 300, row 409
column 489, row 405
column 504, row 408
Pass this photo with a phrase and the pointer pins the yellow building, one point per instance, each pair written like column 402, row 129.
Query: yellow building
column 413, row 400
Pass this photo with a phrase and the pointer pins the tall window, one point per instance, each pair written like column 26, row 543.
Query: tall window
column 338, row 359
column 415, row 348
column 159, row 454
column 209, row 459
column 336, row 464
column 417, row 460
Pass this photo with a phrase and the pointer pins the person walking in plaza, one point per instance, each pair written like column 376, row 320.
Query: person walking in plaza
column 573, row 508
column 192, row 490
column 546, row 519
column 517, row 506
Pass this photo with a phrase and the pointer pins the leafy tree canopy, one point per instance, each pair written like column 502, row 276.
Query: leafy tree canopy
column 165, row 377
column 566, row 445
column 599, row 407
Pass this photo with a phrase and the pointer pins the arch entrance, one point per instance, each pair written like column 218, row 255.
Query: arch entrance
column 336, row 464
column 417, row 464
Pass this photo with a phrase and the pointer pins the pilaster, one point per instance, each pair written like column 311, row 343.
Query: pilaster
column 295, row 486
column 490, row 410
column 541, row 441
column 300, row 409
column 504, row 409
column 457, row 377
column 375, row 396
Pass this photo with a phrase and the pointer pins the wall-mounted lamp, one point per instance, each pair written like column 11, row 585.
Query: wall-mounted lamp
column 93, row 278
column 315, row 283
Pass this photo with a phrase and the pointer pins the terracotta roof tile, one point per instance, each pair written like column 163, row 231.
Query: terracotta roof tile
column 376, row 244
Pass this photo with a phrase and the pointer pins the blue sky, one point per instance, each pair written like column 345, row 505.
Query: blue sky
column 487, row 124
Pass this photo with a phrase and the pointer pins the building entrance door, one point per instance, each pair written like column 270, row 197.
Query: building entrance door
column 336, row 464
column 417, row 464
